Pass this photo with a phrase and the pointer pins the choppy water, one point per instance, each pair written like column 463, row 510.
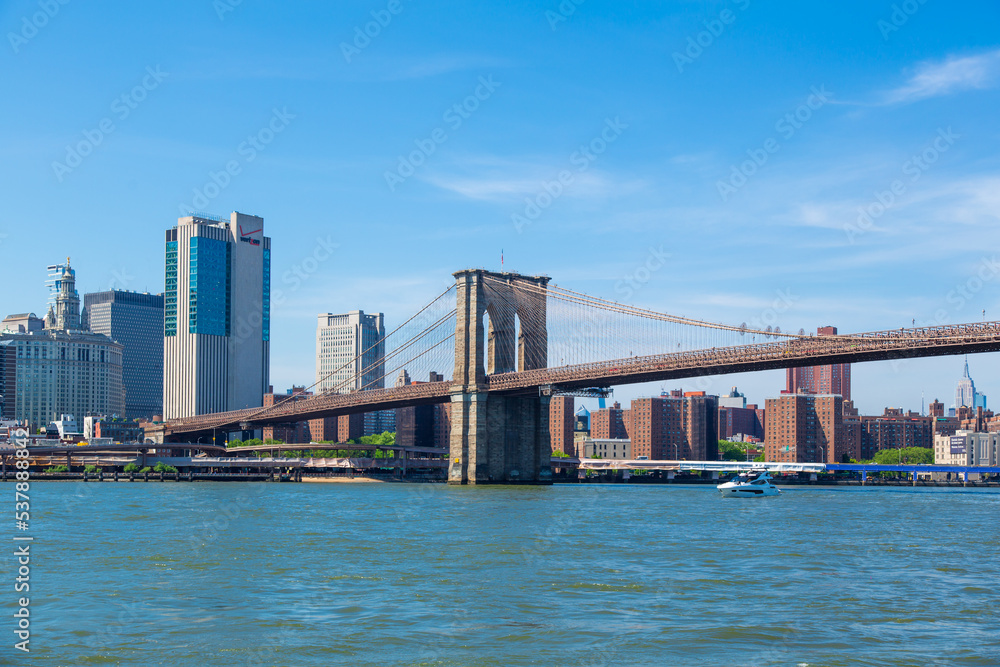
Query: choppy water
column 376, row 574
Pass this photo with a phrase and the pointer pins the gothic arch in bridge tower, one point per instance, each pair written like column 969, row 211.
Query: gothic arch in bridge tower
column 500, row 328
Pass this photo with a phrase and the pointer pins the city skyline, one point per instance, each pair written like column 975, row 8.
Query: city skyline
column 714, row 385
column 803, row 243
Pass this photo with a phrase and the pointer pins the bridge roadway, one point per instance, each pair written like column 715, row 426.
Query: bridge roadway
column 810, row 351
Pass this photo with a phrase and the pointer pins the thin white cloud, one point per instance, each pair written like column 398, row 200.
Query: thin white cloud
column 954, row 74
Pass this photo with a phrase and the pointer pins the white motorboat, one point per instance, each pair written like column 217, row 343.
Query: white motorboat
column 749, row 485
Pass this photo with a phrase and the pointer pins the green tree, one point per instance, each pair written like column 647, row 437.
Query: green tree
column 162, row 467
column 559, row 454
column 91, row 468
column 905, row 456
column 732, row 451
column 132, row 467
column 59, row 468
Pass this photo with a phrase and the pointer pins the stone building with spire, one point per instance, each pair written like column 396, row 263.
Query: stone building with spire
column 60, row 369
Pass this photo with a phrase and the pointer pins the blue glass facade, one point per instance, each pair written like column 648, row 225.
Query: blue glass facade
column 209, row 295
column 170, row 292
column 266, row 304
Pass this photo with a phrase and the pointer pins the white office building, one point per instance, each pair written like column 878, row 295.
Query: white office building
column 350, row 353
column 217, row 311
column 350, row 349
column 967, row 448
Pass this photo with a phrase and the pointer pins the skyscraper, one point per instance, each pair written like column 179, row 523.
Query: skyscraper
column 832, row 379
column 350, row 349
column 135, row 320
column 349, row 352
column 966, row 394
column 217, row 312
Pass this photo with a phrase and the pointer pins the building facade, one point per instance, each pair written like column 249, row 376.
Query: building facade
column 681, row 426
column 297, row 432
column 740, row 421
column 52, row 373
column 967, row 448
column 135, row 321
column 609, row 423
column 350, row 349
column 217, row 315
column 895, row 429
column 562, row 422
column 423, row 425
column 805, row 428
column 831, row 379
column 620, row 449
column 22, row 323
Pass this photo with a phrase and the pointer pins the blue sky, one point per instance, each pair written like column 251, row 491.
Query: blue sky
column 839, row 103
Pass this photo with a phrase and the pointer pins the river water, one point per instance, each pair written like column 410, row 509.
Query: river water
column 411, row 574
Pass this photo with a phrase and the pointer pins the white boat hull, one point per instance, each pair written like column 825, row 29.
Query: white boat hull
column 749, row 491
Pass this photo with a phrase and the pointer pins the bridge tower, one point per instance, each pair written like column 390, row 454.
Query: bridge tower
column 499, row 439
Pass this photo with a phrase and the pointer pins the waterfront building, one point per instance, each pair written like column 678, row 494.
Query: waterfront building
column 60, row 369
column 118, row 430
column 805, row 428
column 967, row 448
column 135, row 321
column 51, row 372
column 679, row 426
column 830, row 379
column 605, row 448
column 217, row 311
column 562, row 421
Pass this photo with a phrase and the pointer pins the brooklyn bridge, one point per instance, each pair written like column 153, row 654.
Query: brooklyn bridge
column 513, row 341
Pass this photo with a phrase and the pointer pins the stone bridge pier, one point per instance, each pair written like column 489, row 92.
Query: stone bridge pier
column 498, row 439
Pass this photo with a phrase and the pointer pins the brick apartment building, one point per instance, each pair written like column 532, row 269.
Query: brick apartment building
column 562, row 423
column 832, row 379
column 681, row 426
column 609, row 423
column 805, row 428
column 290, row 433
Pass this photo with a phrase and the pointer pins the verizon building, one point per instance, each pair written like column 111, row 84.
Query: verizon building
column 216, row 322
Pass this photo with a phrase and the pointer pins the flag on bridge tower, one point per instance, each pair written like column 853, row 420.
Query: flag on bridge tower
column 501, row 258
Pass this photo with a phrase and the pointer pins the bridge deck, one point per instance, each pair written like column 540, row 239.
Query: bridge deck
column 810, row 351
